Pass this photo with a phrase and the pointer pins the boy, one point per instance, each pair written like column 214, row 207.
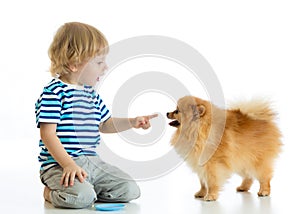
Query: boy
column 71, row 115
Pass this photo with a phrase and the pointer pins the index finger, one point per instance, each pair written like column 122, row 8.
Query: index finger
column 152, row 116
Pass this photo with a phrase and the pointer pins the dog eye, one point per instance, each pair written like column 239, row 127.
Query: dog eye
column 176, row 112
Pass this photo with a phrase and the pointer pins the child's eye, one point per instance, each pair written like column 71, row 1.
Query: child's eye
column 99, row 63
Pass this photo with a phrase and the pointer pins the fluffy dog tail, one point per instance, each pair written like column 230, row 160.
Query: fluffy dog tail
column 257, row 109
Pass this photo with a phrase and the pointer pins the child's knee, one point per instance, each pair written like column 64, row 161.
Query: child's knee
column 133, row 191
column 123, row 192
column 81, row 196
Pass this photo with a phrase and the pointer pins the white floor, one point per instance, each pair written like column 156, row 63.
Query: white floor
column 21, row 191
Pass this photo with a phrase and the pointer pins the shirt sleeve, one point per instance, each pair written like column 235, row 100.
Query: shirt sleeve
column 104, row 111
column 48, row 108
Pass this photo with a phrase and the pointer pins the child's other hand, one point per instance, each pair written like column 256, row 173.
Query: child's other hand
column 143, row 121
column 70, row 172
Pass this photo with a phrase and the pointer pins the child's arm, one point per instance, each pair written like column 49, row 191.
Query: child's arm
column 114, row 125
column 58, row 152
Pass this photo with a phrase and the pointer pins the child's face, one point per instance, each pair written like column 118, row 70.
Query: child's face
column 93, row 70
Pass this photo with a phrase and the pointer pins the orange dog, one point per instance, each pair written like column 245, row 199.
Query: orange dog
column 217, row 142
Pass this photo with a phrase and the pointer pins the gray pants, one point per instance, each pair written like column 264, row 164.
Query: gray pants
column 104, row 183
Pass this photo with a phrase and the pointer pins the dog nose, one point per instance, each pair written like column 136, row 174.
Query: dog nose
column 167, row 114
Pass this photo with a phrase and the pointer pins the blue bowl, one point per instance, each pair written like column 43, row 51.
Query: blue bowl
column 109, row 207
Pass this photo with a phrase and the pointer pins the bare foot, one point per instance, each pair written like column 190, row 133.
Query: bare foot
column 47, row 194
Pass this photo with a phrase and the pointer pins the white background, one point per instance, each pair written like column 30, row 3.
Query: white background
column 253, row 47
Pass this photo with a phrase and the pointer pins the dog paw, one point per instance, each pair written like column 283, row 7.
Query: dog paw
column 210, row 197
column 200, row 194
column 242, row 189
column 263, row 193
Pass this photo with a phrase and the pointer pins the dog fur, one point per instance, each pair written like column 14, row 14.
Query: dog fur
column 246, row 141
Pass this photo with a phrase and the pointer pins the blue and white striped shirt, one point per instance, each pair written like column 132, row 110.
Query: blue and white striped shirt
column 77, row 111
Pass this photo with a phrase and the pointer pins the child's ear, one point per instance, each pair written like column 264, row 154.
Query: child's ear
column 73, row 68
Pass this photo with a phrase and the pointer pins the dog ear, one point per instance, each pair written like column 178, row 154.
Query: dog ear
column 198, row 111
column 201, row 109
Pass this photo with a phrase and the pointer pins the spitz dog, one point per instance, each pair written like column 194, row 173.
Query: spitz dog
column 217, row 142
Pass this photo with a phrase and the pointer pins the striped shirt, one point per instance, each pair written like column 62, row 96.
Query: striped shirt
column 77, row 111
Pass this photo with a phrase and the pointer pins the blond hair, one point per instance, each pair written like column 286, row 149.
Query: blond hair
column 73, row 44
